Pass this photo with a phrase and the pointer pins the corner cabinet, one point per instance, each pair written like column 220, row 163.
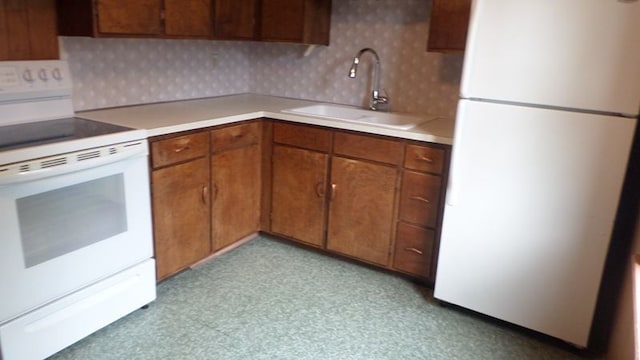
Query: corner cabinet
column 236, row 19
column 448, row 25
column 206, row 190
column 135, row 18
column 28, row 30
column 298, row 21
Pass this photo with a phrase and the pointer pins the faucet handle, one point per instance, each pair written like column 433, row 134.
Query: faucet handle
column 379, row 102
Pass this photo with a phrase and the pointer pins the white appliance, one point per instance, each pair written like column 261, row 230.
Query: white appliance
column 75, row 245
column 549, row 99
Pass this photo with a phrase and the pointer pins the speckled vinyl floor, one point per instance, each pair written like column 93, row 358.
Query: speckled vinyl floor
column 273, row 300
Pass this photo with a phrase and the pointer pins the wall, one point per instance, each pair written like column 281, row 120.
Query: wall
column 622, row 345
column 116, row 72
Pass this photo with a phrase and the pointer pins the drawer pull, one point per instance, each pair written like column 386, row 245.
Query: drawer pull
column 424, row 158
column 413, row 250
column 420, row 198
column 205, row 193
column 181, row 149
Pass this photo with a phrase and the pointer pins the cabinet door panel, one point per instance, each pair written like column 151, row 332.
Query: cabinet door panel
column 129, row 17
column 448, row 25
column 235, row 19
column 181, row 214
column 188, row 17
column 282, row 20
column 298, row 195
column 28, row 30
column 361, row 210
column 236, row 179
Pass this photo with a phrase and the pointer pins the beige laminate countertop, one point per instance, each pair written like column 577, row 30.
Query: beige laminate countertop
column 175, row 116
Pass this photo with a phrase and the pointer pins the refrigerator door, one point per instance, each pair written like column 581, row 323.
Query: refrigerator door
column 531, row 204
column 582, row 54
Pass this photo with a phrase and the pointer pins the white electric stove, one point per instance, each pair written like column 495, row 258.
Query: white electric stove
column 76, row 246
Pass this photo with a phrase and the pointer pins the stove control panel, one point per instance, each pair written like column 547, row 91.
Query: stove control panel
column 28, row 80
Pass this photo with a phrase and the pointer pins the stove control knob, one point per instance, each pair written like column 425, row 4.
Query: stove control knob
column 27, row 76
column 56, row 74
column 42, row 75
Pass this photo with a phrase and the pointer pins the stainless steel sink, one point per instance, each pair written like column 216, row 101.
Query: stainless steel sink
column 362, row 116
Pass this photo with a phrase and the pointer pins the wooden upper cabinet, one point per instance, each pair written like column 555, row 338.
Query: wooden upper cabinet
column 188, row 17
column 135, row 18
column 235, row 19
column 448, row 25
column 129, row 17
column 28, row 30
column 300, row 21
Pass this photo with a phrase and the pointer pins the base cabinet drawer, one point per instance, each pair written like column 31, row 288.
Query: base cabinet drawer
column 420, row 198
column 414, row 250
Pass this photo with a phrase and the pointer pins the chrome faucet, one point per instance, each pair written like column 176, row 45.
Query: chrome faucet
column 377, row 101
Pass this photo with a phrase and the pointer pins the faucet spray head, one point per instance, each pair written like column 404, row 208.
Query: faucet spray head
column 354, row 67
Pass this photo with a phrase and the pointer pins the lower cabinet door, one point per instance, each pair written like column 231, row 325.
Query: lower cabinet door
column 298, row 194
column 236, row 181
column 361, row 209
column 181, row 213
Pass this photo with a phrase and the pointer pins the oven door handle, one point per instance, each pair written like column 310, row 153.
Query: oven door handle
column 71, row 163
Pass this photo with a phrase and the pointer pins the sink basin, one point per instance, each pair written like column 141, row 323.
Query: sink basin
column 356, row 115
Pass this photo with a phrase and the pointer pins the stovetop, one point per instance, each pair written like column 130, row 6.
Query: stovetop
column 25, row 135
column 38, row 120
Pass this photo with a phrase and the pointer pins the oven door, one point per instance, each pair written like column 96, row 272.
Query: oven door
column 65, row 227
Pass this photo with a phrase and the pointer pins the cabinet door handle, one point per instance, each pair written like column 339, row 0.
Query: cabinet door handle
column 205, row 192
column 333, row 191
column 424, row 158
column 420, row 198
column 214, row 193
column 413, row 250
column 320, row 189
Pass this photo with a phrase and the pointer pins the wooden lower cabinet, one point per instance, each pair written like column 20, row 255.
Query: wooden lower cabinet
column 371, row 198
column 181, row 213
column 361, row 212
column 236, row 182
column 298, row 198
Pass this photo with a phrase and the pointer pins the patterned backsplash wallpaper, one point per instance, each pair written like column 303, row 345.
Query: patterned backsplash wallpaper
column 116, row 72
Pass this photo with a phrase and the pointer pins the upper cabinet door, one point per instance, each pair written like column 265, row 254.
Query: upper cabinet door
column 282, row 20
column 188, row 17
column 448, row 25
column 28, row 30
column 301, row 21
column 130, row 16
column 236, row 19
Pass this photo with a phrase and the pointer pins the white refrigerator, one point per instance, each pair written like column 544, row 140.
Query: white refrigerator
column 549, row 102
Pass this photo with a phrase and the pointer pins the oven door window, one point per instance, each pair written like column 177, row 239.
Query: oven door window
column 66, row 219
